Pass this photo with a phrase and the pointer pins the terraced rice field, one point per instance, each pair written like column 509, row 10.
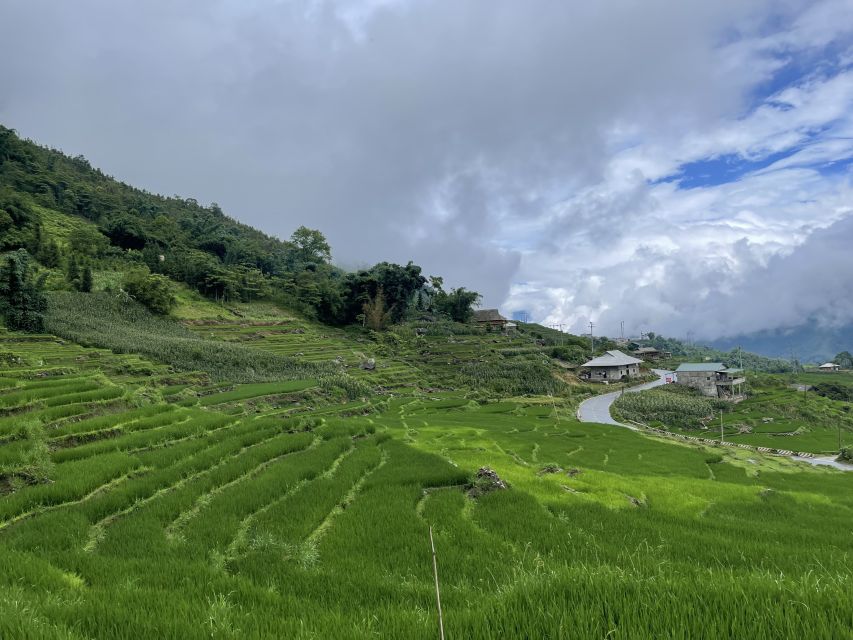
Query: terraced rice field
column 179, row 508
column 308, row 342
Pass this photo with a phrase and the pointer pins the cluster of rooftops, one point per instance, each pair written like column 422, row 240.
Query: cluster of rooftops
column 617, row 360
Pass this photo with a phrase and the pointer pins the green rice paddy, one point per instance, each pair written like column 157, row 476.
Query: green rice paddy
column 178, row 505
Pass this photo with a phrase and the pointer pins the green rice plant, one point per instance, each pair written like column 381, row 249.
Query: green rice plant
column 95, row 395
column 36, row 391
column 191, row 522
column 126, row 327
column 247, row 391
column 36, row 464
column 74, row 480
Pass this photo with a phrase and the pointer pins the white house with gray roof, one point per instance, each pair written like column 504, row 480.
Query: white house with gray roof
column 830, row 367
column 612, row 366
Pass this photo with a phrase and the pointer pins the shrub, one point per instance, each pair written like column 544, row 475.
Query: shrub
column 376, row 315
column 152, row 290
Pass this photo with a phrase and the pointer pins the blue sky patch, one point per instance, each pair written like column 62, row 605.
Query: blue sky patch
column 729, row 167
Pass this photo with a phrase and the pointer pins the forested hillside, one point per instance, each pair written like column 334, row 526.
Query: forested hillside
column 74, row 218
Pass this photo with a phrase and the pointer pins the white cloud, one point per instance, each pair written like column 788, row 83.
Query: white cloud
column 492, row 141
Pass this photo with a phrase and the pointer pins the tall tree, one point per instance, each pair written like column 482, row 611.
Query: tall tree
column 21, row 300
column 86, row 279
column 312, row 245
column 458, row 304
column 72, row 272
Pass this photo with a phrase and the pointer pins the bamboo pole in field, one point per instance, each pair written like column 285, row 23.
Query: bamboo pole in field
column 437, row 592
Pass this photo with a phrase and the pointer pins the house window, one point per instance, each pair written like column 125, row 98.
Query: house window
column 708, row 378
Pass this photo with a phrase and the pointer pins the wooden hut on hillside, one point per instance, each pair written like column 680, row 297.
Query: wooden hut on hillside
column 491, row 319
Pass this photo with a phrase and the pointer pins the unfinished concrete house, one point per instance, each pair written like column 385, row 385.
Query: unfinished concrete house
column 712, row 379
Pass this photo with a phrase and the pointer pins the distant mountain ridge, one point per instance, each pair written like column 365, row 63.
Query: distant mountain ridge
column 806, row 343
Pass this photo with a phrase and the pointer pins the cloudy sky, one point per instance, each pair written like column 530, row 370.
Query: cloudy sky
column 682, row 166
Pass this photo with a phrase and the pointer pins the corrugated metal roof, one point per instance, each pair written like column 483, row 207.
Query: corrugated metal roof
column 828, row 365
column 612, row 359
column 701, row 366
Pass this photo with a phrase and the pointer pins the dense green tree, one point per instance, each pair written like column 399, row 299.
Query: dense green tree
column 844, row 360
column 72, row 271
column 458, row 304
column 86, row 280
column 88, row 241
column 21, row 300
column 312, row 245
column 49, row 254
column 150, row 289
column 126, row 232
column 19, row 224
column 398, row 284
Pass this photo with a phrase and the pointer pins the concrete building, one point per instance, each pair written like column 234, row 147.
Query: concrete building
column 712, row 379
column 490, row 319
column 829, row 367
column 650, row 353
column 612, row 367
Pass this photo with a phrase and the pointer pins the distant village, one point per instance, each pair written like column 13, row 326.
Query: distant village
column 711, row 379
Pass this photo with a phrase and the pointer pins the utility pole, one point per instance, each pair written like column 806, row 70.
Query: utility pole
column 622, row 330
column 591, row 340
column 559, row 327
column 722, row 437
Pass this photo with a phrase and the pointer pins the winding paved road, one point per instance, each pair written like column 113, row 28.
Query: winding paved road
column 597, row 408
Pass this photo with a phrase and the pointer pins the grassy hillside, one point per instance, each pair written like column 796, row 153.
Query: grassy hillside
column 238, row 469
column 143, row 499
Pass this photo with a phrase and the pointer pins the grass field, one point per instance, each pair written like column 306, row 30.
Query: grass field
column 775, row 414
column 177, row 506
